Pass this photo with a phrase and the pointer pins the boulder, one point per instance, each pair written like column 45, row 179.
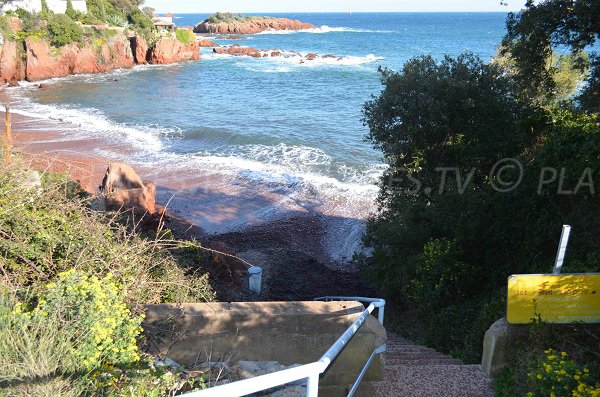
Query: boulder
column 170, row 50
column 139, row 48
column 124, row 189
column 251, row 26
column 236, row 50
column 311, row 56
column 207, row 43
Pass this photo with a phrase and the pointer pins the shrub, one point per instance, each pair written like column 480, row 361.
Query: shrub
column 63, row 30
column 93, row 311
column 72, row 12
column 449, row 249
column 116, row 20
column 44, row 234
column 559, row 376
column 140, row 20
column 79, row 339
column 185, row 36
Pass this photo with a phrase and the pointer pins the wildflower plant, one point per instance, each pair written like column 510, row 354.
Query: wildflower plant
column 557, row 375
column 95, row 309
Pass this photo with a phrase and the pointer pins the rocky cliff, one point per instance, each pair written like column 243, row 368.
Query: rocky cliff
column 34, row 59
column 251, row 25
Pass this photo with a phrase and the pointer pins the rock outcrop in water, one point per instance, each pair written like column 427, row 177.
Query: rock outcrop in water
column 170, row 50
column 251, row 25
column 35, row 59
column 237, row 50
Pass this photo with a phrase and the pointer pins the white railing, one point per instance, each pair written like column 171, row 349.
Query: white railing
column 310, row 372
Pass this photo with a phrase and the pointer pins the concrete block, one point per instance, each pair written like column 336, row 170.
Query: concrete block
column 286, row 332
column 495, row 347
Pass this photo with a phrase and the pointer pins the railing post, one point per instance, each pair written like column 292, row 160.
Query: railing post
column 312, row 385
column 380, row 314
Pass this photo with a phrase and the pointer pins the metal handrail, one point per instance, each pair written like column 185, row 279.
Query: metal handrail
column 311, row 371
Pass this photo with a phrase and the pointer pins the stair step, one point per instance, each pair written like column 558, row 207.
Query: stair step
column 430, row 381
column 421, row 361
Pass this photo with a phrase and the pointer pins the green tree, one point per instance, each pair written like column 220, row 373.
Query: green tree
column 63, row 30
column 70, row 11
column 533, row 35
column 45, row 13
column 149, row 11
column 449, row 249
column 140, row 20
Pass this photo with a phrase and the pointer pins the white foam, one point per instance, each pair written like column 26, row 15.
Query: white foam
column 324, row 29
column 92, row 123
column 268, row 64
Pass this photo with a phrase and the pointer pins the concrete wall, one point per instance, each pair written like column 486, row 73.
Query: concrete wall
column 58, row 6
column 287, row 332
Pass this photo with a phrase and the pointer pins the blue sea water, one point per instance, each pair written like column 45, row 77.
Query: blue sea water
column 271, row 120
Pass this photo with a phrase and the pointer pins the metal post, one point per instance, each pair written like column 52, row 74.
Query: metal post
column 562, row 248
column 380, row 314
column 255, row 279
column 312, row 385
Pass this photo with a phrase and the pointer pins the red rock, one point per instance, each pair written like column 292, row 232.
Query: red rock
column 311, row 56
column 124, row 189
column 139, row 47
column 42, row 64
column 238, row 51
column 252, row 26
column 170, row 50
column 12, row 67
column 14, row 24
column 207, row 43
column 276, row 53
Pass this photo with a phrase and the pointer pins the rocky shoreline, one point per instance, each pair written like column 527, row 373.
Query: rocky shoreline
column 35, row 60
column 251, row 25
column 287, row 248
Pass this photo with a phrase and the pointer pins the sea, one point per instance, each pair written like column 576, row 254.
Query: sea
column 287, row 134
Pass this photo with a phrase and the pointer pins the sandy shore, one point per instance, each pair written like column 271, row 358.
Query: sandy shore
column 287, row 237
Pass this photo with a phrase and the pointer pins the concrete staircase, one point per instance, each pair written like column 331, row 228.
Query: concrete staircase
column 417, row 371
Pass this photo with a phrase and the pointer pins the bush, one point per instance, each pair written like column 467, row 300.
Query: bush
column 63, row 30
column 44, row 234
column 447, row 251
column 185, row 36
column 93, row 311
column 79, row 339
column 559, row 376
column 116, row 20
column 140, row 20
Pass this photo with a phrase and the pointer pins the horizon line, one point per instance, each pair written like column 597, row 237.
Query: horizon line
column 343, row 12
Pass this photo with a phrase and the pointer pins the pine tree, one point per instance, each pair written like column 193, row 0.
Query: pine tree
column 71, row 12
column 45, row 8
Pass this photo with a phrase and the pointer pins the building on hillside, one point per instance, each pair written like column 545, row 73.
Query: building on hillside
column 57, row 6
column 164, row 24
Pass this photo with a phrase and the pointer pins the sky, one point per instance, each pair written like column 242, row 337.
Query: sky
column 253, row 6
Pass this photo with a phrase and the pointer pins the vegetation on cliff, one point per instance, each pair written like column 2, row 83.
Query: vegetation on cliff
column 229, row 17
column 73, row 282
column 73, row 26
column 484, row 169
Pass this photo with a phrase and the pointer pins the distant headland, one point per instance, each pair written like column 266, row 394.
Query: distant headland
column 230, row 23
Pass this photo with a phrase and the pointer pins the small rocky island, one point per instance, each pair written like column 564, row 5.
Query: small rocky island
column 229, row 23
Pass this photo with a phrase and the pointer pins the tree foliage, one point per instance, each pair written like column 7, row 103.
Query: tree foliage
column 446, row 237
column 536, row 32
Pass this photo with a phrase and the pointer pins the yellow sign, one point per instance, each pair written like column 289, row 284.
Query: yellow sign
column 565, row 298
